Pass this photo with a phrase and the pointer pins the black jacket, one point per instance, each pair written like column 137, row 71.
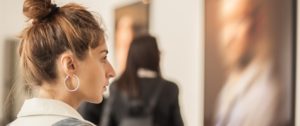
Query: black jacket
column 166, row 111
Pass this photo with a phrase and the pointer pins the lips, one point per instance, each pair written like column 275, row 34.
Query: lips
column 106, row 83
column 104, row 88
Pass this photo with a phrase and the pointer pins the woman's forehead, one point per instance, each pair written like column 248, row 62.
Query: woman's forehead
column 102, row 47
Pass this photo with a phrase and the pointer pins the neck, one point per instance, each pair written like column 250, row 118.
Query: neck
column 52, row 91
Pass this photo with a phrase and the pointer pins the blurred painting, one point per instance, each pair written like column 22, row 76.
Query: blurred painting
column 130, row 21
column 13, row 92
column 249, row 62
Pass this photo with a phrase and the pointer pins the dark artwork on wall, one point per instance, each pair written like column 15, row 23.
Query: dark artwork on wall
column 249, row 62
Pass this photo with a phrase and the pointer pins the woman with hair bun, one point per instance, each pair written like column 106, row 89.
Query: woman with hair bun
column 63, row 55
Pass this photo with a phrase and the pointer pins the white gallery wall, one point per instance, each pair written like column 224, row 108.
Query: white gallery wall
column 178, row 26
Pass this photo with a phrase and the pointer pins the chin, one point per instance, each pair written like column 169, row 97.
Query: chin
column 99, row 100
column 96, row 100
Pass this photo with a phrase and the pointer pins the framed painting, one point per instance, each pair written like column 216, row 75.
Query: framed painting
column 250, row 62
column 130, row 21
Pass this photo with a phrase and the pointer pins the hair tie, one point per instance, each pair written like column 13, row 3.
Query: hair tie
column 54, row 9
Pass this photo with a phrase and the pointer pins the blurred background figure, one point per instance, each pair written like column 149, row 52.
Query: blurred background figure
column 140, row 93
column 252, row 94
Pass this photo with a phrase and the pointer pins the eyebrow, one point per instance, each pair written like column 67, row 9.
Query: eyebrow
column 104, row 51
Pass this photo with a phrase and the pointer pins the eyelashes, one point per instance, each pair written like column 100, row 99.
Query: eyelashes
column 104, row 59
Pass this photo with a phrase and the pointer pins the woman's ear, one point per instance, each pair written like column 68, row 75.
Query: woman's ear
column 68, row 63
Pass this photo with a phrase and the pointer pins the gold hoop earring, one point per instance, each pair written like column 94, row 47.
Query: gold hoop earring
column 77, row 85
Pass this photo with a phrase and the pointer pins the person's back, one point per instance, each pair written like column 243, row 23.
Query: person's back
column 166, row 111
column 140, row 94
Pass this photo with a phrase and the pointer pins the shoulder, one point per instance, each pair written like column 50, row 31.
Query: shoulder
column 170, row 86
column 48, row 121
column 36, row 121
column 71, row 122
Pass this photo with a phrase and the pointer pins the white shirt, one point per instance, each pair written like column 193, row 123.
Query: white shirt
column 249, row 99
column 45, row 112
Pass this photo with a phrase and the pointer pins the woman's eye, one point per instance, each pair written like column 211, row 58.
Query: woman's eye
column 104, row 59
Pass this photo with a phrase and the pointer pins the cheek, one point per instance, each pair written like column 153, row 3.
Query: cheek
column 97, row 75
column 92, row 77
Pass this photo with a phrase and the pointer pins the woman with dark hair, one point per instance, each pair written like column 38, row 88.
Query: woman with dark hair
column 63, row 55
column 141, row 88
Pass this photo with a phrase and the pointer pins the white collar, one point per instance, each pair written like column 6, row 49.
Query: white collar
column 40, row 106
column 146, row 73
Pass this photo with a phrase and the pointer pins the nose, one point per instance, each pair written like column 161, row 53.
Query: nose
column 110, row 71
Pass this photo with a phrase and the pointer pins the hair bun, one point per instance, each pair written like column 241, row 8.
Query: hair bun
column 36, row 9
